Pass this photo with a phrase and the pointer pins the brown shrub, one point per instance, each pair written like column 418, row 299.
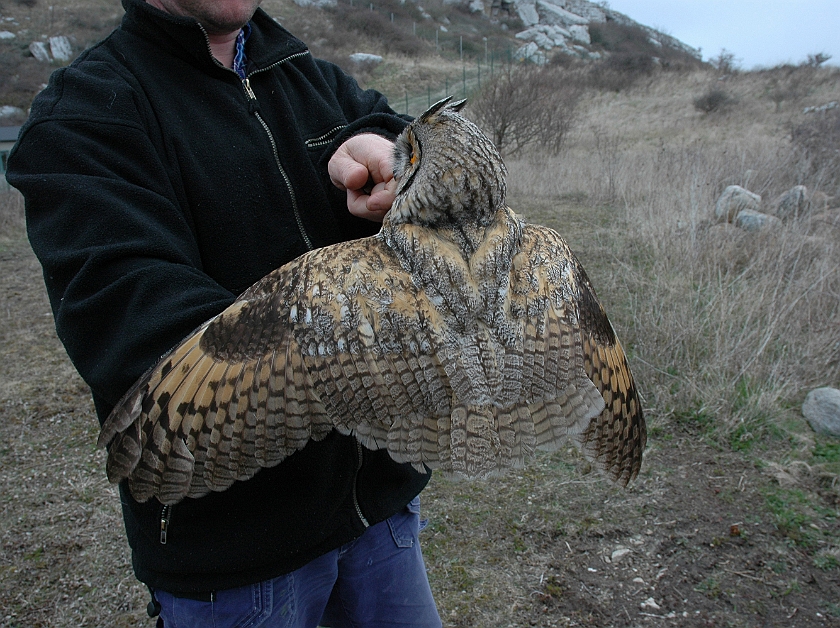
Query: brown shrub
column 525, row 105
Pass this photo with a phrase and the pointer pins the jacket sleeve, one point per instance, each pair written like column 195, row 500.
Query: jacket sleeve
column 120, row 260
column 368, row 110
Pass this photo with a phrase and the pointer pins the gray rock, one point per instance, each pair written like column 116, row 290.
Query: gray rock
column 39, row 51
column 822, row 410
column 528, row 52
column 793, row 203
column 580, row 34
column 826, row 107
column 60, row 48
column 364, row 57
column 751, row 220
column 546, row 37
column 7, row 35
column 527, row 11
column 590, row 11
column 733, row 200
column 550, row 13
column 8, row 111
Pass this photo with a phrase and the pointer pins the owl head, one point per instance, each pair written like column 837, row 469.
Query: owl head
column 448, row 172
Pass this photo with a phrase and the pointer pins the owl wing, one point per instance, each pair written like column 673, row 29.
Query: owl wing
column 614, row 439
column 338, row 338
column 342, row 338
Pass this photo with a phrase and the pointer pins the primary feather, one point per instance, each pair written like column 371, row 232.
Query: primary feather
column 458, row 338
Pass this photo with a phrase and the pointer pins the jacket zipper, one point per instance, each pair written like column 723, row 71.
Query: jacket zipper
column 295, row 209
column 165, row 515
column 359, row 451
column 253, row 100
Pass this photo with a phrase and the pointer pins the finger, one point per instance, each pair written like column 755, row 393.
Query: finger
column 358, row 204
column 346, row 173
column 382, row 196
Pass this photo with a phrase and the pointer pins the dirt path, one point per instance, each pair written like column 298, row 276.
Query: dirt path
column 707, row 536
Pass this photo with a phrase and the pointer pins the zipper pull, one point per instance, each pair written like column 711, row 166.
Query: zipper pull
column 253, row 104
column 164, row 523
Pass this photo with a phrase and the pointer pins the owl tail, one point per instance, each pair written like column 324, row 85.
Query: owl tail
column 477, row 441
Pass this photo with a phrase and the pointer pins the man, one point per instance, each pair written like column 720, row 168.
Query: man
column 194, row 150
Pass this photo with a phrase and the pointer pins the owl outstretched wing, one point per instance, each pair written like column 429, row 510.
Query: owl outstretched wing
column 335, row 339
column 343, row 338
column 615, row 439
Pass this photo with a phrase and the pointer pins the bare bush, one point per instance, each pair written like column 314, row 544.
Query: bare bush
column 527, row 105
column 817, row 59
column 725, row 62
column 712, row 100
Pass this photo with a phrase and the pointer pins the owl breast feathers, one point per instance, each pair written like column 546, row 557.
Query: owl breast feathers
column 458, row 338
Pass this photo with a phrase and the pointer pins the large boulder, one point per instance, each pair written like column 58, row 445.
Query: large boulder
column 321, row 4
column 40, row 51
column 751, row 220
column 529, row 52
column 545, row 36
column 60, row 48
column 527, row 11
column 551, row 13
column 365, row 58
column 9, row 112
column 733, row 200
column 792, row 204
column 580, row 33
column 822, row 410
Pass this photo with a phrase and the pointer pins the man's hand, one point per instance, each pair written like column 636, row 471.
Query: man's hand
column 363, row 166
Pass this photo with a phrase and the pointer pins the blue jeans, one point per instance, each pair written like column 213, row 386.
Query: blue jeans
column 378, row 581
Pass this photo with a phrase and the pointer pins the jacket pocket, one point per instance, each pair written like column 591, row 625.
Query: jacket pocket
column 405, row 525
column 325, row 138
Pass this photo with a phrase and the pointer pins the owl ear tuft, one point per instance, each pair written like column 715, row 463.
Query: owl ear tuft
column 457, row 106
column 424, row 117
column 440, row 105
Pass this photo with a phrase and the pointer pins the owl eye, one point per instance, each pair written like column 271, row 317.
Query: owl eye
column 415, row 150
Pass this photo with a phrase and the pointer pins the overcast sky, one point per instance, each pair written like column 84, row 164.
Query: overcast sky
column 759, row 33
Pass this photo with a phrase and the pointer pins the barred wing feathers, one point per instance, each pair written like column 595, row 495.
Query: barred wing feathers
column 344, row 337
column 614, row 440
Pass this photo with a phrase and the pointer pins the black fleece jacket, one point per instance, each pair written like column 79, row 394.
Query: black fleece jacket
column 158, row 186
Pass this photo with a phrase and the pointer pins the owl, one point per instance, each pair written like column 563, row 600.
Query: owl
column 458, row 338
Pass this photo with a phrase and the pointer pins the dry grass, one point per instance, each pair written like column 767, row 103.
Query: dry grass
column 12, row 223
column 740, row 325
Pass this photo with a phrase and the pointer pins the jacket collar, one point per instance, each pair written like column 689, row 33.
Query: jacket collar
column 268, row 44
